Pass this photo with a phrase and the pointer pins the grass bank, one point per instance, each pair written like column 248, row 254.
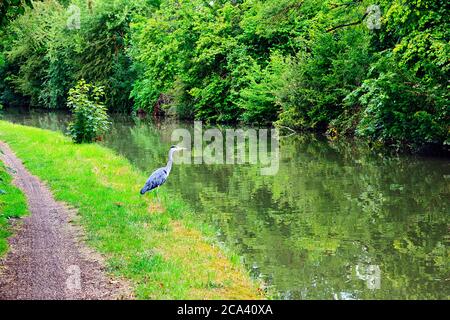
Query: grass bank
column 12, row 205
column 158, row 247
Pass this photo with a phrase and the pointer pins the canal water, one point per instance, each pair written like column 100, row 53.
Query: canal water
column 337, row 221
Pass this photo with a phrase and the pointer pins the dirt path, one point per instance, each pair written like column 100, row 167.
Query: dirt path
column 47, row 258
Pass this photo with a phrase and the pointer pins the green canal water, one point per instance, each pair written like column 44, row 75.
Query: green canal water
column 337, row 221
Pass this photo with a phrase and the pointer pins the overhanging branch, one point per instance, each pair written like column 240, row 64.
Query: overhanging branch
column 348, row 24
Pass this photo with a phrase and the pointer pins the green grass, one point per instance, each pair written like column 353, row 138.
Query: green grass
column 12, row 205
column 160, row 248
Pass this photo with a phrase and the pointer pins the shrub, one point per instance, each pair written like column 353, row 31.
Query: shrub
column 90, row 119
column 316, row 82
column 258, row 99
column 399, row 109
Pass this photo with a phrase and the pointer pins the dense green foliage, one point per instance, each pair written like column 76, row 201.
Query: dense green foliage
column 337, row 66
column 9, row 9
column 308, row 64
column 90, row 119
column 52, row 46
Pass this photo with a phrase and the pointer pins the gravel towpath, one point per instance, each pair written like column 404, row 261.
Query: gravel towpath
column 47, row 259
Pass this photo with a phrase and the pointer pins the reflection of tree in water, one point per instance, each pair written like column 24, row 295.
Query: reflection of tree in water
column 56, row 121
column 327, row 210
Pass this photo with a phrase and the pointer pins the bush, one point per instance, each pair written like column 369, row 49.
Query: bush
column 399, row 109
column 90, row 119
column 258, row 99
column 316, row 82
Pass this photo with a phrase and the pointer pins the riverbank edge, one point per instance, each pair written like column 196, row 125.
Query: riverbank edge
column 158, row 246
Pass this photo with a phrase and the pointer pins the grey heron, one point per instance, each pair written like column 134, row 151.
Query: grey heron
column 159, row 176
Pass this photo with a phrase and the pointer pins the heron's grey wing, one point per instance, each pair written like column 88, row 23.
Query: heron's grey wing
column 157, row 178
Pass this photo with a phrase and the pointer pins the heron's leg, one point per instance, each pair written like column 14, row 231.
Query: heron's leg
column 152, row 197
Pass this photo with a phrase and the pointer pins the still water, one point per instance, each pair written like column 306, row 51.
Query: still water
column 336, row 222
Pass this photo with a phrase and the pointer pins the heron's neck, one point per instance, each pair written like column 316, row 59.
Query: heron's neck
column 170, row 162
